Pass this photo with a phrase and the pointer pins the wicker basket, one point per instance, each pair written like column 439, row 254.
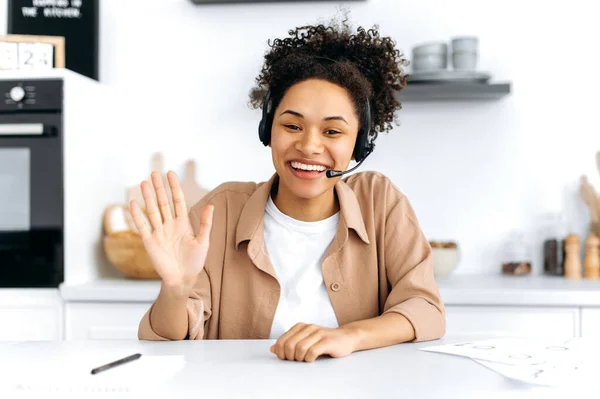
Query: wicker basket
column 595, row 228
column 127, row 254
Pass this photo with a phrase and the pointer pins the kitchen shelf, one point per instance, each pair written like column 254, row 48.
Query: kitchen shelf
column 254, row 1
column 453, row 91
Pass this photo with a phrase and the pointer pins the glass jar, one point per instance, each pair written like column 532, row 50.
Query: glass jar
column 517, row 254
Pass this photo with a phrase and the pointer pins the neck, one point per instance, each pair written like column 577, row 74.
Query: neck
column 303, row 209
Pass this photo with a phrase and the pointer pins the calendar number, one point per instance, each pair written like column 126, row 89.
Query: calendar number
column 26, row 56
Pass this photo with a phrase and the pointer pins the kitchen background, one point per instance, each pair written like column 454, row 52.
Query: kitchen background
column 174, row 78
column 472, row 170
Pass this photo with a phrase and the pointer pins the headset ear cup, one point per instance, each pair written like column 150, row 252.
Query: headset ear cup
column 361, row 149
column 261, row 131
column 264, row 127
column 265, row 130
column 363, row 143
column 362, row 140
column 358, row 147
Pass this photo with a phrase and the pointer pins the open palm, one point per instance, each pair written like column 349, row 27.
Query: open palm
column 178, row 255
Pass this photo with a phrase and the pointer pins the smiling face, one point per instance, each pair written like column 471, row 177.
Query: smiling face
column 314, row 129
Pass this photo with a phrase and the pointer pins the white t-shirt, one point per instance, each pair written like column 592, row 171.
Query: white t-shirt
column 296, row 250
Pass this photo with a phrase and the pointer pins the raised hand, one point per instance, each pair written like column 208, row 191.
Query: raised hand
column 178, row 255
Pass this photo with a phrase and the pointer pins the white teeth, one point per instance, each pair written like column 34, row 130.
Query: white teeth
column 298, row 165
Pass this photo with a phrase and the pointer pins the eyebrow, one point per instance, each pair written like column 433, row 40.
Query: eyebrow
column 329, row 118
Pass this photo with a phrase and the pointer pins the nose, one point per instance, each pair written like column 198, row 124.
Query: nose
column 309, row 142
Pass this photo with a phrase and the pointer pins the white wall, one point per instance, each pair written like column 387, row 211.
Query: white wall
column 472, row 170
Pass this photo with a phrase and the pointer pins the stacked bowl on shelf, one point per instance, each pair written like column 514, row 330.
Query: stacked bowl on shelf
column 430, row 61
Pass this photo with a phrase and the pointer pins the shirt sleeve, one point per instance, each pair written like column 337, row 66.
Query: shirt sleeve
column 198, row 303
column 409, row 268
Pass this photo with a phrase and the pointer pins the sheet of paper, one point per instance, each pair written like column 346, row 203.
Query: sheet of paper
column 515, row 351
column 544, row 362
column 548, row 374
column 72, row 374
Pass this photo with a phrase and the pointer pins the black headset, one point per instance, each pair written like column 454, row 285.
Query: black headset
column 365, row 141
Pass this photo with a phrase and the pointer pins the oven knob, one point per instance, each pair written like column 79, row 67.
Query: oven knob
column 17, row 93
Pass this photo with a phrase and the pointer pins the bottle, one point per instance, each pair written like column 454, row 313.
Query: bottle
column 572, row 257
column 591, row 263
column 553, row 231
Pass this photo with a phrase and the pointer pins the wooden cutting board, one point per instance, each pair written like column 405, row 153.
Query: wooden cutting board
column 589, row 197
column 191, row 190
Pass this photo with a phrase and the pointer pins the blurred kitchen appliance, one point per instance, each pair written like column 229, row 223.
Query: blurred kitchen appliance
column 31, row 183
column 92, row 122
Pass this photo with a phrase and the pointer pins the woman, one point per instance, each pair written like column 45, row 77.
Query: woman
column 325, row 265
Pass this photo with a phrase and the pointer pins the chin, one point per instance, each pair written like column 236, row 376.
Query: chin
column 309, row 192
column 305, row 189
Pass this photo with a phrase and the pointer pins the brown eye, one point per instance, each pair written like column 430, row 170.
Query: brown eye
column 332, row 132
column 292, row 127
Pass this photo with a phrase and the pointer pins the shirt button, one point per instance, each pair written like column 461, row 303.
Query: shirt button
column 335, row 286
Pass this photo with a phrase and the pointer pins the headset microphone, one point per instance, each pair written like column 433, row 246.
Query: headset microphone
column 336, row 173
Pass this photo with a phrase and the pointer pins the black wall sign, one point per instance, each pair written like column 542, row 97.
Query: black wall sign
column 76, row 20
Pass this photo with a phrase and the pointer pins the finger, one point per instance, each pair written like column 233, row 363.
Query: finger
column 306, row 343
column 161, row 196
column 292, row 342
column 205, row 224
column 282, row 340
column 178, row 198
column 139, row 220
column 151, row 207
column 322, row 347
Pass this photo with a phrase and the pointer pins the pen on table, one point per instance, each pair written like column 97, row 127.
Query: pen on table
column 116, row 363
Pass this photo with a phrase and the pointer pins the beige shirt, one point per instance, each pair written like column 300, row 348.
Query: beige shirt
column 378, row 262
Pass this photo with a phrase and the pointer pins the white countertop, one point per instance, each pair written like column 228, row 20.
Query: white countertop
column 111, row 290
column 519, row 291
column 246, row 368
column 455, row 290
column 29, row 297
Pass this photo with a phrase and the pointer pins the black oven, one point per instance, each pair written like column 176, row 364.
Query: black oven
column 31, row 183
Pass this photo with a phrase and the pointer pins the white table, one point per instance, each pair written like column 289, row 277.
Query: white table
column 247, row 369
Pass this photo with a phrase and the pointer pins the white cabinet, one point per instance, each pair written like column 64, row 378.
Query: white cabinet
column 120, row 320
column 517, row 321
column 486, row 306
column 590, row 322
column 30, row 314
column 103, row 320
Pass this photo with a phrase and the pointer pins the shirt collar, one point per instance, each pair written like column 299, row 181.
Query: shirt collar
column 350, row 210
column 252, row 215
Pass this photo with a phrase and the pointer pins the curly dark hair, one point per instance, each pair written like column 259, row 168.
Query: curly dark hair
column 366, row 65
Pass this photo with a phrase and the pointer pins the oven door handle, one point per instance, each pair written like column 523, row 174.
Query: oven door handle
column 21, row 129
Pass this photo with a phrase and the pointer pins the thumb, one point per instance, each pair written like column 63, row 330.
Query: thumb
column 205, row 223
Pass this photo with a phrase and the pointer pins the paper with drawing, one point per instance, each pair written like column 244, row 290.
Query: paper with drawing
column 538, row 361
